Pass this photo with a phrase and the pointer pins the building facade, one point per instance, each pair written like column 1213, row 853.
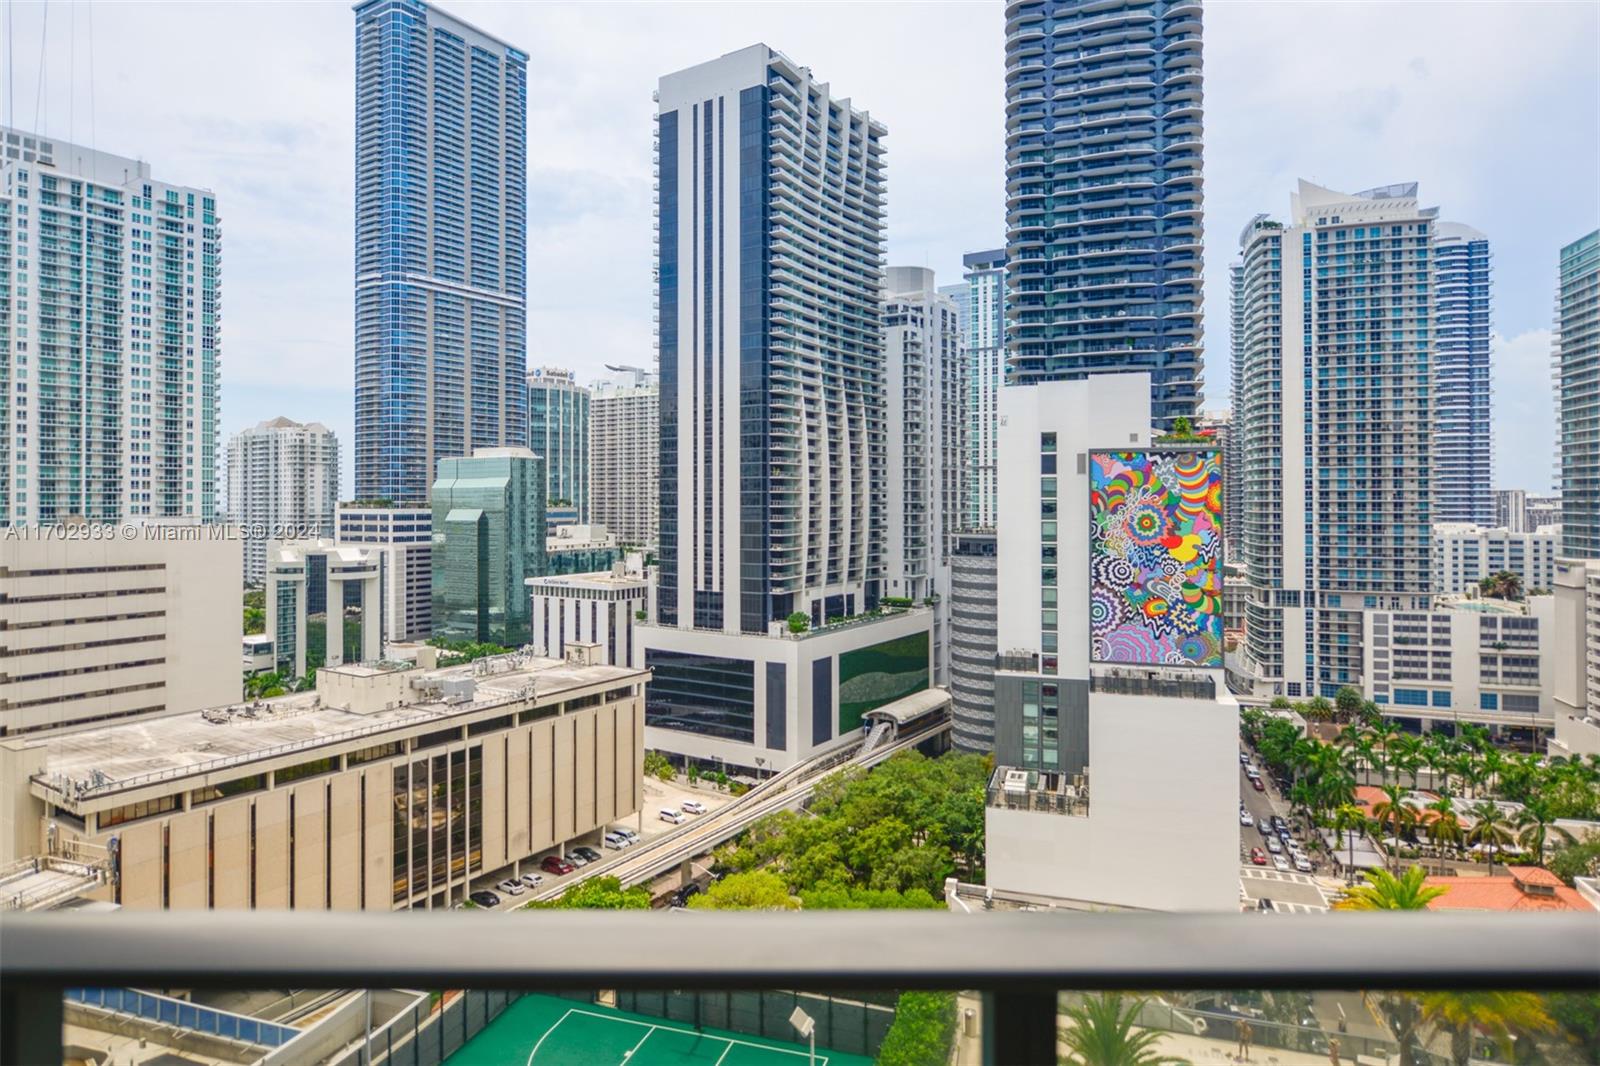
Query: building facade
column 103, row 629
column 488, row 539
column 327, row 603
column 1103, row 194
column 925, row 446
column 973, row 620
column 772, row 383
column 983, row 327
column 1574, row 656
column 1464, row 661
column 407, row 533
column 1577, row 373
column 575, row 549
column 596, row 608
column 558, row 432
column 110, row 396
column 283, row 482
column 1464, row 554
column 388, row 788
column 1334, row 404
column 1463, row 440
column 441, row 245
column 625, row 454
column 1232, row 457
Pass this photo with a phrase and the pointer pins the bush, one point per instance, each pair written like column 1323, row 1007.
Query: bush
column 924, row 1030
column 799, row 622
column 657, row 765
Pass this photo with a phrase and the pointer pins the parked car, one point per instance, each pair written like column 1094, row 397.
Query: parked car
column 484, row 898
column 511, row 887
column 669, row 814
column 1264, row 827
column 1274, row 846
column 625, row 833
column 555, row 864
column 532, row 880
column 616, row 841
column 693, row 807
column 1284, row 834
column 1258, row 857
column 1255, row 783
column 1280, row 864
column 1245, row 819
column 1244, row 758
column 577, row 859
column 1302, row 863
column 587, row 853
column 1278, row 822
column 681, row 897
column 1265, row 904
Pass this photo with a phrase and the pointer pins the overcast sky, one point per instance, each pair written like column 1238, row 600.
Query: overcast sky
column 1493, row 107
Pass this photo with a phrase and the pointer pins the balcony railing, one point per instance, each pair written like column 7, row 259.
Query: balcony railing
column 1019, row 962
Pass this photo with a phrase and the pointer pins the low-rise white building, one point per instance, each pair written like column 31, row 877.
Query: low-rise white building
column 1574, row 644
column 338, row 587
column 599, row 608
column 408, row 531
column 104, row 628
column 1487, row 662
column 1464, row 554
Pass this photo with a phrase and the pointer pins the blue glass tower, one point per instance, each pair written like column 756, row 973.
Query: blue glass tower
column 1462, row 441
column 1103, row 193
column 441, row 245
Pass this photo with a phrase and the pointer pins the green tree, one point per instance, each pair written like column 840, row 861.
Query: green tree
column 1400, row 816
column 1349, row 819
column 1503, row 585
column 1348, row 700
column 1386, row 892
column 924, row 1030
column 600, row 894
column 799, row 622
column 1580, row 858
column 1499, row 1015
column 1490, row 827
column 1102, row 1031
column 1442, row 824
column 1537, row 822
column 758, row 890
column 1577, row 1015
column 658, row 766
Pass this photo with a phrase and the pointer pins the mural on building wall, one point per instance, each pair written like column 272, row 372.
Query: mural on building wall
column 1155, row 557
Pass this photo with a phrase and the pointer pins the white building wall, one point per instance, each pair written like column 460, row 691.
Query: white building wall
column 1464, row 553
column 283, row 483
column 624, row 458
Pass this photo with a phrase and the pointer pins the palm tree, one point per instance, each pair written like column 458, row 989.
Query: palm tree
column 1500, row 1015
column 1396, row 811
column 1350, row 819
column 1386, row 892
column 1490, row 828
column 1537, row 820
column 1503, row 585
column 1101, row 1033
column 1444, row 826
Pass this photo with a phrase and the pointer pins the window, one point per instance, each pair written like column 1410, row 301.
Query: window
column 238, row 786
column 134, row 811
column 1488, row 701
column 306, row 769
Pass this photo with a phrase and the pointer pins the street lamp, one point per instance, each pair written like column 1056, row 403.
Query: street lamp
column 806, row 1026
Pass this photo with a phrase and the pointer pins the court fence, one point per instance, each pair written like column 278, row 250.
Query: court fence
column 851, row 1022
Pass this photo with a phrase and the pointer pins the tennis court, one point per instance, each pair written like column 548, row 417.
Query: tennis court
column 550, row 1031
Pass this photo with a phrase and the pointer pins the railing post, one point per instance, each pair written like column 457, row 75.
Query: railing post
column 1019, row 1028
column 30, row 1024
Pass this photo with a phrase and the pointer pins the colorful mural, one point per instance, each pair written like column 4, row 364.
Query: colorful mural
column 1155, row 558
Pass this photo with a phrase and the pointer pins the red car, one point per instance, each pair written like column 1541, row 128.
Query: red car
column 555, row 864
column 1258, row 857
column 1255, row 783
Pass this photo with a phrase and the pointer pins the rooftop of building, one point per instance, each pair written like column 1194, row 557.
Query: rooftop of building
column 133, row 753
column 1521, row 888
column 600, row 579
column 573, row 537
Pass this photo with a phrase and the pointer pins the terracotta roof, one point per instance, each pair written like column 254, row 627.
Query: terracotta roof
column 1504, row 894
column 1534, row 875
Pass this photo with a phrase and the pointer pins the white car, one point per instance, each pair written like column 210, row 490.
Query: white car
column 511, row 887
column 668, row 814
column 1302, row 863
column 532, row 880
column 1280, row 864
column 1245, row 819
column 616, row 841
column 625, row 833
column 1273, row 846
column 693, row 807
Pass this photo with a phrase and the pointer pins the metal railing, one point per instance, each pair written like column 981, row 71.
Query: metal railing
column 1019, row 962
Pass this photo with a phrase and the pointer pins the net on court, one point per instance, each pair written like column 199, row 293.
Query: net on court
column 549, row 1031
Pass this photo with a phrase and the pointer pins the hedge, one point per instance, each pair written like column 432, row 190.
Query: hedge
column 924, row 1030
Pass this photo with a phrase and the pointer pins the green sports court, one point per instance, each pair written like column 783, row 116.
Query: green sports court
column 550, row 1031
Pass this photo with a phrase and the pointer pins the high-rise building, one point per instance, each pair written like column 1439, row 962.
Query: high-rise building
column 441, row 245
column 973, row 620
column 1463, row 449
column 624, row 454
column 488, row 539
column 983, row 326
column 407, row 534
column 923, row 372
column 1232, row 460
column 1465, row 554
column 1336, row 430
column 283, row 482
column 327, row 603
column 1577, row 371
column 1103, row 193
column 772, row 394
column 773, row 408
column 109, row 403
column 558, row 433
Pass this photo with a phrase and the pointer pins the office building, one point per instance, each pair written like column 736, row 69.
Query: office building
column 407, row 533
column 390, row 787
column 598, row 608
column 1465, row 554
column 488, row 538
column 109, row 403
column 1574, row 655
column 558, row 433
column 1463, row 444
column 624, row 457
column 1108, row 698
column 772, row 385
column 1542, row 511
column 923, row 372
column 441, row 245
column 1486, row 662
column 327, row 603
column 573, row 549
column 973, row 622
column 103, row 629
column 1334, row 402
column 983, row 325
column 1232, row 459
column 1577, row 380
column 1511, row 510
column 283, row 482
column 1103, row 194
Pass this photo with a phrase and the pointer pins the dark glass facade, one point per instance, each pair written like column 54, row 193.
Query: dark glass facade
column 705, row 694
column 878, row 674
column 755, row 288
column 667, row 350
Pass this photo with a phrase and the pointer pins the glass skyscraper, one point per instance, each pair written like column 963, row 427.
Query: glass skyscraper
column 441, row 245
column 1577, row 365
column 984, row 331
column 558, row 432
column 1103, row 193
column 1463, row 451
column 488, row 539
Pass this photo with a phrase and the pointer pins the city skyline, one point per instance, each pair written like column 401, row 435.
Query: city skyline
column 281, row 160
